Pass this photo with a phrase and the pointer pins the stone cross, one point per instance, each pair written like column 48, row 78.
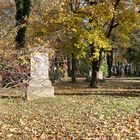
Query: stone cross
column 39, row 84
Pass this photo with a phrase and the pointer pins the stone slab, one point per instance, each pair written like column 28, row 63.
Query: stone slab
column 39, row 92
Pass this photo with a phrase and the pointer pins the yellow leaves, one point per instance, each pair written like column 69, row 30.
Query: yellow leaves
column 77, row 117
column 13, row 130
column 96, row 54
column 74, row 30
column 43, row 30
column 104, row 11
column 23, row 60
column 98, row 38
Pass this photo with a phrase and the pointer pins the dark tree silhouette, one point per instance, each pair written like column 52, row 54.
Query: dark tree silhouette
column 22, row 14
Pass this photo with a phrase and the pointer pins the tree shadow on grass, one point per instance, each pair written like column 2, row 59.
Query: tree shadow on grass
column 113, row 84
column 120, row 94
column 121, row 85
column 108, row 93
column 123, row 78
column 10, row 97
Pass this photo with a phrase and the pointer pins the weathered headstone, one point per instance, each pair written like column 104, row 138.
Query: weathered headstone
column 88, row 76
column 39, row 84
column 100, row 75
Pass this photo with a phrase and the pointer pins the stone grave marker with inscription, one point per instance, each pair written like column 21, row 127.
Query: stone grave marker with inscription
column 39, row 84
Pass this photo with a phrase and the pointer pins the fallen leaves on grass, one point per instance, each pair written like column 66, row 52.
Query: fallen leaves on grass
column 109, row 113
column 71, row 118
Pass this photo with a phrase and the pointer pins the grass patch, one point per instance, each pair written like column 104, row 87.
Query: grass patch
column 71, row 117
column 111, row 112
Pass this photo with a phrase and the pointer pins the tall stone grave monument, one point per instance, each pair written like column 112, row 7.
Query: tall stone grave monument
column 39, row 84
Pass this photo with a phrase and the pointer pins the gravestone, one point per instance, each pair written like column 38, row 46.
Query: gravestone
column 39, row 84
column 100, row 75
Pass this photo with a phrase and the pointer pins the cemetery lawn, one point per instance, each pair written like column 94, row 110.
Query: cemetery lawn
column 91, row 116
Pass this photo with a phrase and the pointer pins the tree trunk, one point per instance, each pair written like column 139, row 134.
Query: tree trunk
column 22, row 13
column 112, row 25
column 69, row 67
column 110, row 62
column 13, row 77
column 95, row 69
column 74, row 69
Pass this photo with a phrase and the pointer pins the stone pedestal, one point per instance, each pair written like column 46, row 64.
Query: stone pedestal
column 39, row 84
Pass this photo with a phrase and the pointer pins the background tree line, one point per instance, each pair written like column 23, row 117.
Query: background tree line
column 86, row 30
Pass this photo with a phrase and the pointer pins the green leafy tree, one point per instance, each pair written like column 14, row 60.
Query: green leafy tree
column 123, row 22
column 88, row 30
